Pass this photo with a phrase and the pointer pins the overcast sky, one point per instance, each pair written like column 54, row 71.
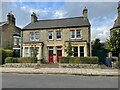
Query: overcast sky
column 101, row 14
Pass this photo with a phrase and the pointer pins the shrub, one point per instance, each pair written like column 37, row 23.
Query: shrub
column 79, row 60
column 64, row 60
column 5, row 53
column 12, row 60
column 33, row 60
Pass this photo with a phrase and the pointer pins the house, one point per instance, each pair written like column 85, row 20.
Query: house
column 116, row 26
column 10, row 37
column 50, row 37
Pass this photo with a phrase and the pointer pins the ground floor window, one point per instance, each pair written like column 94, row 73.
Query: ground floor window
column 82, row 51
column 26, row 51
column 75, row 51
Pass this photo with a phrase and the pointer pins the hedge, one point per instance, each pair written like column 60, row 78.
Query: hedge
column 21, row 60
column 79, row 60
column 5, row 53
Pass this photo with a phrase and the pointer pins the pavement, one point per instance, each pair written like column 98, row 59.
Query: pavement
column 69, row 71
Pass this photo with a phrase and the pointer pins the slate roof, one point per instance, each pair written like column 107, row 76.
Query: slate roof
column 116, row 24
column 3, row 23
column 58, row 23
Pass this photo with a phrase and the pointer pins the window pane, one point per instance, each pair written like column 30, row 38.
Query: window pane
column 15, row 41
column 58, row 34
column 81, row 51
column 26, row 51
column 37, row 36
column 31, row 51
column 78, row 35
column 31, row 36
column 75, row 51
column 50, row 35
column 72, row 34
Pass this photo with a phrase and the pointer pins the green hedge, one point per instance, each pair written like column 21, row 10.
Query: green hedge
column 21, row 60
column 5, row 53
column 79, row 60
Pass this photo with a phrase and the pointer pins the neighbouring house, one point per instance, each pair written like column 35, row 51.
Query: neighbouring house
column 116, row 26
column 50, row 37
column 10, row 37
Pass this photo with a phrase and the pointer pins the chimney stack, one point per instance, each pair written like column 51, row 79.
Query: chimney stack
column 33, row 17
column 11, row 18
column 85, row 12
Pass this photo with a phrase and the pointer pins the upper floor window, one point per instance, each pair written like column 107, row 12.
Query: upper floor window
column 58, row 35
column 31, row 36
column 50, row 35
column 75, row 34
column 34, row 36
column 37, row 36
column 72, row 33
column 78, row 34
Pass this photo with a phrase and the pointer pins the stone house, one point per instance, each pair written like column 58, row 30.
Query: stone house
column 10, row 34
column 50, row 37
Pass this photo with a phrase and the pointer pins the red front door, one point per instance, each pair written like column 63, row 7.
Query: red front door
column 59, row 55
column 50, row 55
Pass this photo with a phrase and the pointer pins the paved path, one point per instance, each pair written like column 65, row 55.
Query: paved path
column 70, row 71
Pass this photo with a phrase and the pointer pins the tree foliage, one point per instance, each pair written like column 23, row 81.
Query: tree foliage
column 113, row 44
column 97, row 45
column 68, row 49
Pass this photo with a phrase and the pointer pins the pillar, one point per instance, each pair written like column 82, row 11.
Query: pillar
column 23, row 52
column 78, row 51
column 85, row 50
column 54, row 56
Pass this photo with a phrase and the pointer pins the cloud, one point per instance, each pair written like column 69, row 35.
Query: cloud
column 59, row 14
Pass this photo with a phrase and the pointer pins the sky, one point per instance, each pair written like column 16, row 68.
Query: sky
column 101, row 14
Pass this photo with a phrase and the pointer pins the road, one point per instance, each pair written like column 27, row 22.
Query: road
column 57, row 81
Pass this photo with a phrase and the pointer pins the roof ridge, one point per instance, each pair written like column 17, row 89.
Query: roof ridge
column 60, row 19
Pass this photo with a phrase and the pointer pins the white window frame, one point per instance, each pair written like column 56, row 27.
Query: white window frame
column 60, row 34
column 48, row 35
column 37, row 39
column 80, row 34
column 71, row 34
column 31, row 35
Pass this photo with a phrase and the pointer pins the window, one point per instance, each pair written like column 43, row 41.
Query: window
column 78, row 34
column 26, row 51
column 72, row 34
column 31, row 51
column 19, row 41
column 50, row 35
column 31, row 36
column 82, row 51
column 75, row 51
column 58, row 35
column 37, row 36
column 15, row 41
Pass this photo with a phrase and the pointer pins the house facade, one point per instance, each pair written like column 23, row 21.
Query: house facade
column 10, row 37
column 51, row 37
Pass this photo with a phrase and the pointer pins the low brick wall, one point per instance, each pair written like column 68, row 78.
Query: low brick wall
column 87, row 66
column 20, row 65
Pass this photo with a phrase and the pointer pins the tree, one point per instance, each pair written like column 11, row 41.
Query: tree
column 97, row 45
column 113, row 44
column 68, row 50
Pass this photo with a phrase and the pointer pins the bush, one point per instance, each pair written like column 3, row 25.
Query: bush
column 12, row 60
column 5, row 53
column 79, row 60
column 33, row 60
column 21, row 60
column 64, row 60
